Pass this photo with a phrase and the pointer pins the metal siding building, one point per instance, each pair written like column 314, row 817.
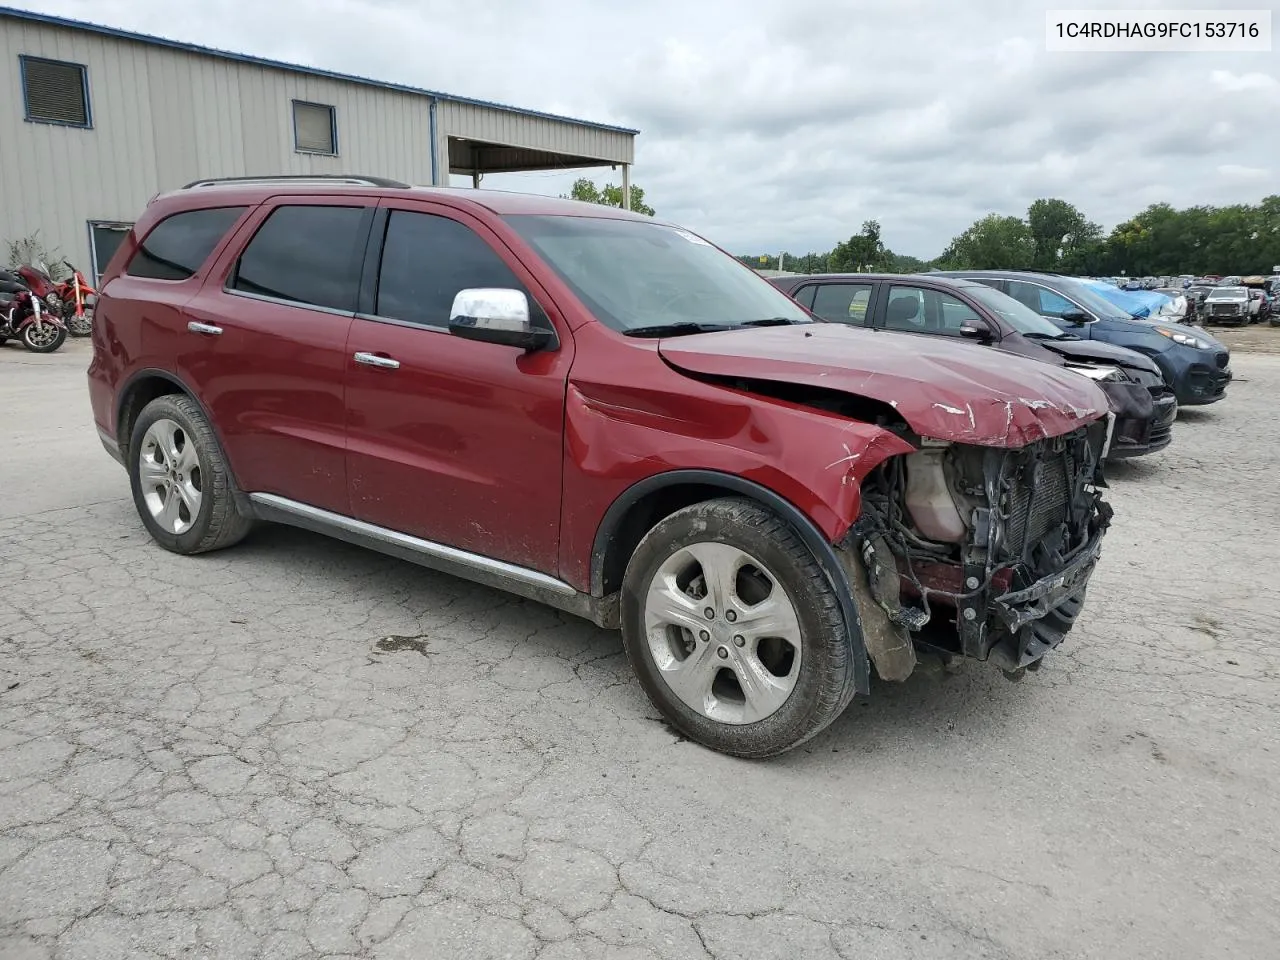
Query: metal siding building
column 161, row 113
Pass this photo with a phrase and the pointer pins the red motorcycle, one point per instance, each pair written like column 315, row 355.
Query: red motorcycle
column 77, row 306
column 31, row 310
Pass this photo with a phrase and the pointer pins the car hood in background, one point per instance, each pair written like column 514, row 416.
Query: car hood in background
column 953, row 391
column 1095, row 351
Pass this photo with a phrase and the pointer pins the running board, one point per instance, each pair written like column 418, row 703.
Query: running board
column 499, row 574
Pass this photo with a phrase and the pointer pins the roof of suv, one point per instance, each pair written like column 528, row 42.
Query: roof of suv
column 501, row 202
column 938, row 278
column 1011, row 274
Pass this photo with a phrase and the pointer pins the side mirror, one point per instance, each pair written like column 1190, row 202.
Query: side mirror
column 1076, row 317
column 496, row 315
column 975, row 328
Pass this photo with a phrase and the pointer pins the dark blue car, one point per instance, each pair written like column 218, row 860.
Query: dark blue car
column 1194, row 364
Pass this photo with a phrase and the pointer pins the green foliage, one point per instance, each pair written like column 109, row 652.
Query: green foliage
column 1057, row 237
column 992, row 243
column 610, row 195
column 31, row 250
column 864, row 252
column 1159, row 241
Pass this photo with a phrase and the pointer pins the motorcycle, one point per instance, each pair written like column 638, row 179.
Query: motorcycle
column 31, row 310
column 77, row 310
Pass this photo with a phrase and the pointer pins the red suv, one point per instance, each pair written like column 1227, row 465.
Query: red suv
column 604, row 413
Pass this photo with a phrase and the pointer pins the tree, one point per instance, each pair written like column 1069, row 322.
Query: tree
column 863, row 252
column 1054, row 225
column 992, row 243
column 610, row 196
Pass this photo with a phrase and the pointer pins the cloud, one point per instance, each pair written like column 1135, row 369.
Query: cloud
column 1238, row 83
column 771, row 126
column 1234, row 171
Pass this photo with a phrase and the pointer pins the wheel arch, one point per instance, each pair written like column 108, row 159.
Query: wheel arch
column 140, row 389
column 638, row 508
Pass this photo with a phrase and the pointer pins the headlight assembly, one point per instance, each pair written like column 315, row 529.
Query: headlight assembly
column 1186, row 339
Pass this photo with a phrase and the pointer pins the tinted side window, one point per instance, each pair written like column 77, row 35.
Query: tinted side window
column 1043, row 301
column 804, row 296
column 953, row 312
column 426, row 260
column 843, row 302
column 306, row 254
column 178, row 245
column 916, row 310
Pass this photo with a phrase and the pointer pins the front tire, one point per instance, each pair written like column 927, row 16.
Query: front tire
column 182, row 485
column 733, row 630
column 47, row 339
column 79, row 326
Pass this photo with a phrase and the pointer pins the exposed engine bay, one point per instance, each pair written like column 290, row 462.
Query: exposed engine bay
column 982, row 552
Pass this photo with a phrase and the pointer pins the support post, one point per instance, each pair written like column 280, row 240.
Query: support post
column 435, row 143
column 475, row 167
column 626, row 186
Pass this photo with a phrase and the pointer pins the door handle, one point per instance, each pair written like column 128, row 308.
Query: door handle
column 197, row 327
column 373, row 360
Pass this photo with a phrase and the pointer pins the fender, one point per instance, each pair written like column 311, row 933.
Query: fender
column 824, row 553
column 242, row 501
column 30, row 318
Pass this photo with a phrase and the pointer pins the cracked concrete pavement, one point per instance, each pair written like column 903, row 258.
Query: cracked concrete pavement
column 295, row 748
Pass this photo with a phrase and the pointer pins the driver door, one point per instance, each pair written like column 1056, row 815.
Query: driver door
column 452, row 440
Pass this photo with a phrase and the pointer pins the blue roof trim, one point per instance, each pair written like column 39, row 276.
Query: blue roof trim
column 118, row 34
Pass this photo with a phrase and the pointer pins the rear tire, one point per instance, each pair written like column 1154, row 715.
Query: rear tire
column 772, row 665
column 182, row 485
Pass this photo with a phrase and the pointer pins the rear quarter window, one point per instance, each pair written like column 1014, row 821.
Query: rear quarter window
column 178, row 245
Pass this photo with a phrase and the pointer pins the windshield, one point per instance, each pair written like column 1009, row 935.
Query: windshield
column 1088, row 298
column 1229, row 293
column 634, row 275
column 1021, row 318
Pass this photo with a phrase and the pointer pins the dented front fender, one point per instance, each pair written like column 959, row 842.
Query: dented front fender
column 618, row 434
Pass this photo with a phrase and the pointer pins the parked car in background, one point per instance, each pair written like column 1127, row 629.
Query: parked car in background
column 1195, row 300
column 1259, row 305
column 1179, row 308
column 1194, row 364
column 606, row 413
column 1227, row 305
column 929, row 305
column 1137, row 302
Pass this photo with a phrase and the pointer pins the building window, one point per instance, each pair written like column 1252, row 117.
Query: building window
column 55, row 92
column 315, row 129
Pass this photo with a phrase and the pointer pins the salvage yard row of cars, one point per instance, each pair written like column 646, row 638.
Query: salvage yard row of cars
column 608, row 414
column 1146, row 369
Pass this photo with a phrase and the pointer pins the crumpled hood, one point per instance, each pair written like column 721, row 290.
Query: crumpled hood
column 1097, row 352
column 953, row 391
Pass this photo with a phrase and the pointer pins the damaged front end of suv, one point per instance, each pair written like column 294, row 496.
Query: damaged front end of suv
column 970, row 500
column 978, row 551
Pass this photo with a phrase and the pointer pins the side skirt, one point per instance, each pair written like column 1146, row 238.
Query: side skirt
column 521, row 581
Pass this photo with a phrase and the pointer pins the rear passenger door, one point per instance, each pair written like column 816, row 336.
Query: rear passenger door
column 452, row 440
column 266, row 345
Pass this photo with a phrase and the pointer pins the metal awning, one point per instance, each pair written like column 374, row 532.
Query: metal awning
column 467, row 157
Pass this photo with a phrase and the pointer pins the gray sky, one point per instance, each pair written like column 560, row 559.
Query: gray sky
column 771, row 125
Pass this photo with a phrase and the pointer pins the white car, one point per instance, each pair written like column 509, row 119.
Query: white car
column 1227, row 305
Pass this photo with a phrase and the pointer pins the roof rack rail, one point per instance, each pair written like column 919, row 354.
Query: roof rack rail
column 303, row 178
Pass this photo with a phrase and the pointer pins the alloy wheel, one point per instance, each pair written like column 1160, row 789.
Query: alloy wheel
column 723, row 633
column 169, row 470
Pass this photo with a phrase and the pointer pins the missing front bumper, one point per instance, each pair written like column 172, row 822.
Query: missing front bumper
column 1032, row 621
